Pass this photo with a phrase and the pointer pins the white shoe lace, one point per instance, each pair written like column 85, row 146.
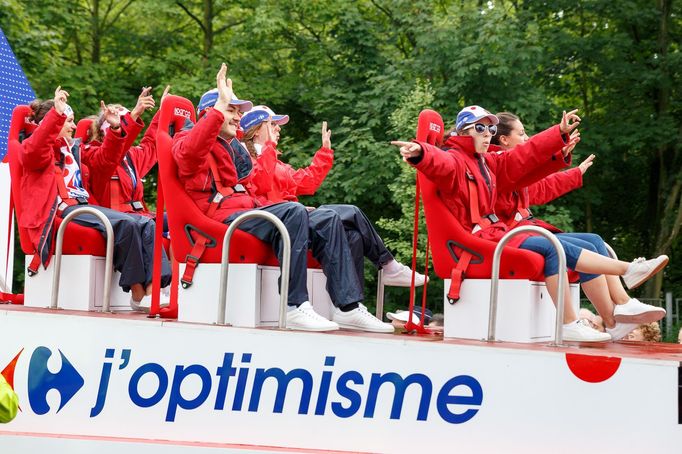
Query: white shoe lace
column 639, row 260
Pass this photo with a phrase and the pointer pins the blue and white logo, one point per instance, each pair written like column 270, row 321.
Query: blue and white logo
column 67, row 381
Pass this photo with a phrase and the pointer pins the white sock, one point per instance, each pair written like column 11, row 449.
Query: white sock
column 392, row 267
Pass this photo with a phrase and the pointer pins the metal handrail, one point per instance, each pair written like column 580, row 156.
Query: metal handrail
column 610, row 250
column 108, row 257
column 286, row 263
column 492, row 317
column 380, row 294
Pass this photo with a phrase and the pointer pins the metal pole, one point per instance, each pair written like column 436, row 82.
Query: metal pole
column 380, row 294
column 668, row 313
column 286, row 263
column 612, row 253
column 492, row 317
column 108, row 257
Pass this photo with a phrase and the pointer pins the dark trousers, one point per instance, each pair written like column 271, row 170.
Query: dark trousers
column 133, row 245
column 363, row 240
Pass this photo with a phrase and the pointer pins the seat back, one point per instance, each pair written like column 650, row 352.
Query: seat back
column 447, row 236
column 185, row 220
column 78, row 240
column 82, row 129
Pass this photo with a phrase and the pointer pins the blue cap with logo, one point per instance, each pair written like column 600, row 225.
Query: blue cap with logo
column 211, row 97
column 258, row 115
column 472, row 114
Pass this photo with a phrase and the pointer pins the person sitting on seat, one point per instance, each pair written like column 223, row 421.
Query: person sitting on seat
column 274, row 181
column 119, row 185
column 55, row 183
column 9, row 402
column 465, row 158
column 215, row 170
column 605, row 292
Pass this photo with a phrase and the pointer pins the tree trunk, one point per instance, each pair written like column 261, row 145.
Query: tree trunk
column 96, row 36
column 208, row 28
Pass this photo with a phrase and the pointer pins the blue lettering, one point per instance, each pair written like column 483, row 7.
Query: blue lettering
column 353, row 396
column 103, row 385
column 224, row 373
column 283, row 381
column 324, row 387
column 241, row 383
column 176, row 398
column 444, row 399
column 400, row 386
column 133, row 392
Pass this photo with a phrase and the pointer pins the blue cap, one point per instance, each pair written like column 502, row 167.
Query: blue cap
column 472, row 114
column 211, row 97
column 258, row 115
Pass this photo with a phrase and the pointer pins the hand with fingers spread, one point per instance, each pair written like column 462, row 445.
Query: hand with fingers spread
column 569, row 121
column 166, row 92
column 144, row 102
column 60, row 97
column 408, row 149
column 225, row 92
column 573, row 140
column 111, row 116
column 326, row 136
column 586, row 164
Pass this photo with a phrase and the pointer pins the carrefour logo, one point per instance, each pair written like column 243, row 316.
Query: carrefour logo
column 239, row 384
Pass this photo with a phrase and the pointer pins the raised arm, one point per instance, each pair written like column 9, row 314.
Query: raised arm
column 308, row 179
column 103, row 160
column 441, row 167
column 37, row 150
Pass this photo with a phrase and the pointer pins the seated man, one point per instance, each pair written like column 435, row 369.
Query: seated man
column 212, row 166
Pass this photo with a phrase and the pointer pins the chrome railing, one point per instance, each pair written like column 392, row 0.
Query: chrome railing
column 495, row 280
column 285, row 265
column 108, row 257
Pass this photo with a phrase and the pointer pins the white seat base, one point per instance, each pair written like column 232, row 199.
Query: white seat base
column 252, row 295
column 525, row 312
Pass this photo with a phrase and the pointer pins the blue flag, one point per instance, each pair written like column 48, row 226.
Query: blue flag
column 14, row 90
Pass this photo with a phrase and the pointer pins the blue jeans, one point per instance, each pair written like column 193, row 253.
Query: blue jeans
column 573, row 244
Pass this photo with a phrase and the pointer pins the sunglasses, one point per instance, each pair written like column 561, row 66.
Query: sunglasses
column 480, row 128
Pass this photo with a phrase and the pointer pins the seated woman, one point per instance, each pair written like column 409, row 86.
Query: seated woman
column 513, row 207
column 118, row 185
column 215, row 170
column 465, row 156
column 274, row 181
column 57, row 182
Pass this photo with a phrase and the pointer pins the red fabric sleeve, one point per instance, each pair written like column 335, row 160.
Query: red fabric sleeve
column 441, row 167
column 144, row 155
column 537, row 156
column 191, row 148
column 307, row 180
column 131, row 129
column 104, row 159
column 37, row 150
column 263, row 174
column 554, row 186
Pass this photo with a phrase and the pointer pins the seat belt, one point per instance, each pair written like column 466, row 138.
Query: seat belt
column 521, row 213
column 192, row 259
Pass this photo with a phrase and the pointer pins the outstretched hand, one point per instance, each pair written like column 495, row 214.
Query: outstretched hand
column 225, row 92
column 166, row 91
column 144, row 102
column 326, row 136
column 270, row 135
column 573, row 140
column 60, row 97
column 586, row 164
column 408, row 149
column 111, row 115
column 569, row 121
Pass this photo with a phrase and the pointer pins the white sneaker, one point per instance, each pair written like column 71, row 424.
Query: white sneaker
column 621, row 330
column 634, row 311
column 640, row 270
column 304, row 318
column 145, row 304
column 581, row 331
column 403, row 278
column 361, row 320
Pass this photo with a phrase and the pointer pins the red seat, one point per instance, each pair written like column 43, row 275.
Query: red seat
column 78, row 240
column 448, row 237
column 185, row 220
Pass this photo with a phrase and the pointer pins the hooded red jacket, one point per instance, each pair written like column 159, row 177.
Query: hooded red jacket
column 274, row 181
column 504, row 171
column 39, row 154
column 539, row 193
column 137, row 161
column 191, row 149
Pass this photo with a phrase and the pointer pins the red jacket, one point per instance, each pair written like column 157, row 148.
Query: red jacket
column 504, row 171
column 39, row 154
column 191, row 149
column 274, row 181
column 137, row 161
column 539, row 193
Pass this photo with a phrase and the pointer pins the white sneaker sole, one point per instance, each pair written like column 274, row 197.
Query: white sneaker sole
column 311, row 329
column 366, row 330
column 587, row 340
column 650, row 275
column 645, row 317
